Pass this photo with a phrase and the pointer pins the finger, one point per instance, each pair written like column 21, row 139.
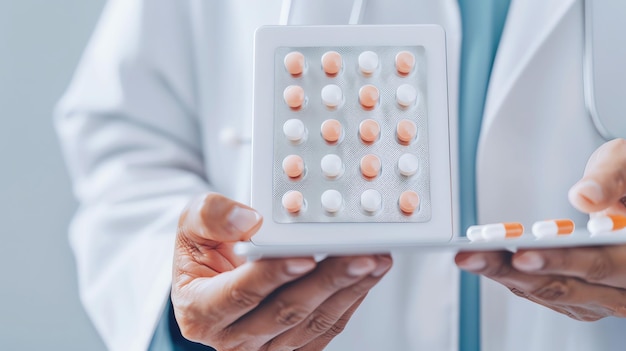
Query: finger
column 206, row 306
column 213, row 219
column 581, row 300
column 291, row 305
column 326, row 321
column 602, row 264
column 323, row 340
column 580, row 313
column 604, row 182
column 488, row 263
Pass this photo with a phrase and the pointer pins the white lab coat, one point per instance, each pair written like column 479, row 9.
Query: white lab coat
column 161, row 79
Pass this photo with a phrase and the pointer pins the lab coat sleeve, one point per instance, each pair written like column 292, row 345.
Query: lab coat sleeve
column 131, row 138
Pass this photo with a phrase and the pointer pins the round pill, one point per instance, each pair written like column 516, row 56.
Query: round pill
column 293, row 166
column 409, row 201
column 408, row 164
column 331, row 63
column 331, row 166
column 369, row 130
column 332, row 200
column 368, row 96
column 294, row 96
column 405, row 61
column 294, row 130
column 370, row 166
column 368, row 62
column 371, row 200
column 331, row 130
column 406, row 95
column 294, row 63
column 406, row 131
column 293, row 201
column 331, row 95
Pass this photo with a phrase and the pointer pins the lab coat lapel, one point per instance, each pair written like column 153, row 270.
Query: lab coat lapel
column 529, row 23
column 536, row 86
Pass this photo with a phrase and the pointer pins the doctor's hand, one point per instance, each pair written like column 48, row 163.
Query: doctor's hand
column 270, row 304
column 585, row 283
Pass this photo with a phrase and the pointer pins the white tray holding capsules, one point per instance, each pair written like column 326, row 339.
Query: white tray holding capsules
column 554, row 233
column 350, row 143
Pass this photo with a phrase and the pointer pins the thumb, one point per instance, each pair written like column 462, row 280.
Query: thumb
column 216, row 218
column 604, row 182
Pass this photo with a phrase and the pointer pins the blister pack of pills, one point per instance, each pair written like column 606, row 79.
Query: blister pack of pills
column 351, row 138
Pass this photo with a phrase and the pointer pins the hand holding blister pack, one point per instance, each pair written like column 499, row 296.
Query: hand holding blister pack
column 351, row 149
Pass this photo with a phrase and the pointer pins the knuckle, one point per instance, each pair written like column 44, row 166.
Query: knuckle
column 518, row 292
column 618, row 147
column 620, row 144
column 224, row 341
column 589, row 318
column 570, row 314
column 577, row 313
column 192, row 331
column 319, row 323
column 334, row 281
column 496, row 265
column 272, row 275
column 599, row 269
column 214, row 207
column 213, row 200
column 555, row 289
column 272, row 346
column 244, row 298
column 337, row 328
column 498, row 270
column 619, row 311
column 362, row 288
column 291, row 314
column 233, row 348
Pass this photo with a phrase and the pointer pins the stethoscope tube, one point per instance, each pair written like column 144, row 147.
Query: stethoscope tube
column 588, row 72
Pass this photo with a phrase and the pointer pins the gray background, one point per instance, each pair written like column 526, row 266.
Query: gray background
column 40, row 44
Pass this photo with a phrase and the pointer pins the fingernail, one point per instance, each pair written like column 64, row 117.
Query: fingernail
column 243, row 219
column 473, row 263
column 383, row 266
column 528, row 261
column 361, row 266
column 297, row 267
column 588, row 190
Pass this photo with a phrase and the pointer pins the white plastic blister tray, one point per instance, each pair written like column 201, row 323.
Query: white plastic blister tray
column 579, row 237
column 387, row 224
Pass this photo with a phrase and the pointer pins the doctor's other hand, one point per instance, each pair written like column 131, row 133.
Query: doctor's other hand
column 223, row 301
column 584, row 283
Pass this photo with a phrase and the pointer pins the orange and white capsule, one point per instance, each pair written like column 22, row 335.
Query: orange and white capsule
column 606, row 224
column 552, row 228
column 498, row 231
column 475, row 233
